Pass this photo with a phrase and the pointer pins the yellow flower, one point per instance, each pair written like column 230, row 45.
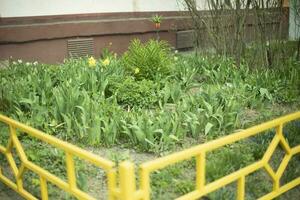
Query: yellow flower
column 106, row 62
column 136, row 70
column 92, row 62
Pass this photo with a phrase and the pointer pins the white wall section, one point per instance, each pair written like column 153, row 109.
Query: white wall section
column 23, row 8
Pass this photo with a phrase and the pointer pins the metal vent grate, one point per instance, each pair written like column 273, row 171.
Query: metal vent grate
column 185, row 39
column 81, row 47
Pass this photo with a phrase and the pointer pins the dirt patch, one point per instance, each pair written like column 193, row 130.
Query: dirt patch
column 118, row 154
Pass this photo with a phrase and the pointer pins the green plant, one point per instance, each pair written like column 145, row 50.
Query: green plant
column 156, row 18
column 151, row 60
column 131, row 93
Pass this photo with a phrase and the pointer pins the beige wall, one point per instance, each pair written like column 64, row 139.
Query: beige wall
column 22, row 8
column 25, row 8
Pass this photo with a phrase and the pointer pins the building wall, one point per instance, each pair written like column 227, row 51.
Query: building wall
column 21, row 8
column 40, row 30
column 45, row 38
column 55, row 50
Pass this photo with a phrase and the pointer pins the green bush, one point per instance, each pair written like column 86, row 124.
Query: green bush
column 151, row 60
column 132, row 93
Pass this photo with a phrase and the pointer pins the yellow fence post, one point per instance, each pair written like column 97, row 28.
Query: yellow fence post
column 145, row 183
column 241, row 188
column 71, row 171
column 127, row 181
column 111, row 183
column 200, row 170
column 44, row 189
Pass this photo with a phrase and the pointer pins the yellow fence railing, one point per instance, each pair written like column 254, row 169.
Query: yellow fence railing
column 44, row 175
column 200, row 151
column 126, row 188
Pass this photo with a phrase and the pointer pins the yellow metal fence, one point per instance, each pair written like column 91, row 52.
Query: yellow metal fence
column 45, row 176
column 124, row 187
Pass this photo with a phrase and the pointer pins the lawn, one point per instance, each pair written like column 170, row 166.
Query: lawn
column 149, row 102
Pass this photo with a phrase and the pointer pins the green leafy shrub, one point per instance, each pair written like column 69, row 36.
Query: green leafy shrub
column 151, row 60
column 132, row 93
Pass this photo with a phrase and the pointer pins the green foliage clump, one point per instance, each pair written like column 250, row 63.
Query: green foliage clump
column 151, row 60
column 131, row 93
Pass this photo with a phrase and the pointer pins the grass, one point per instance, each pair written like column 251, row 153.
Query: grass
column 171, row 102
